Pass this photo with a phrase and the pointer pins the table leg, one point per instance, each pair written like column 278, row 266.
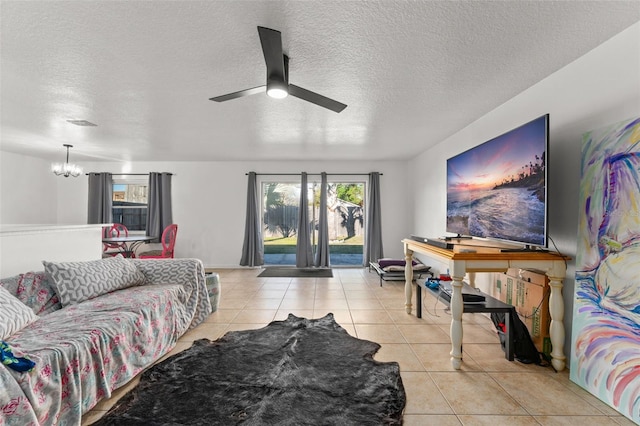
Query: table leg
column 457, row 307
column 556, row 310
column 509, row 344
column 132, row 248
column 408, row 278
column 418, row 301
column 127, row 250
column 472, row 279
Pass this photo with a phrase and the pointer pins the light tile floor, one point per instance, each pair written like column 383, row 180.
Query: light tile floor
column 489, row 390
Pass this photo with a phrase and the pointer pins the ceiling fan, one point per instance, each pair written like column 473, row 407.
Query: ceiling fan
column 278, row 76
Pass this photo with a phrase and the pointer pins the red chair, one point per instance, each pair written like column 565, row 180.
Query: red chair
column 168, row 241
column 116, row 230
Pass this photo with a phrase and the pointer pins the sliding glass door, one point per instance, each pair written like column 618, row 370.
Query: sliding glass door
column 280, row 219
column 345, row 217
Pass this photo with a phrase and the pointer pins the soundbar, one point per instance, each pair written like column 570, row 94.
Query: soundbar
column 436, row 242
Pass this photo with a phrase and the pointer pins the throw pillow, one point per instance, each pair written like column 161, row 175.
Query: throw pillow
column 76, row 282
column 34, row 290
column 14, row 315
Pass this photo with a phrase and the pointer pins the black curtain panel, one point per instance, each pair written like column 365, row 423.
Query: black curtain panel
column 159, row 210
column 100, row 198
column 252, row 248
column 322, row 250
column 373, row 236
column 304, row 253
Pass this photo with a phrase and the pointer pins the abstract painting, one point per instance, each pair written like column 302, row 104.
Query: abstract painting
column 605, row 358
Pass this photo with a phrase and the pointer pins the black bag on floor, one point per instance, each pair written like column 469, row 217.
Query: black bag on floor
column 523, row 348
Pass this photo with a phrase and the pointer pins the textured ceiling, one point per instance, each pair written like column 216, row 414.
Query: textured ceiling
column 411, row 72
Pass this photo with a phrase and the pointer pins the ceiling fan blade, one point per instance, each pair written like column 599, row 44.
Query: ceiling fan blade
column 239, row 94
column 315, row 98
column 271, row 41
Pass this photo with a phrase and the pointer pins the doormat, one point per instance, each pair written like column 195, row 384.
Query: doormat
column 295, row 372
column 276, row 272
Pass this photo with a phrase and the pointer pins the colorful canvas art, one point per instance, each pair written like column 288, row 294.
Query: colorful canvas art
column 605, row 357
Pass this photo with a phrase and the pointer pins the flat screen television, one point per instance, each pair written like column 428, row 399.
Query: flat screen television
column 498, row 190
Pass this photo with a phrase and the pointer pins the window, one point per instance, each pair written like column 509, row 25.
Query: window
column 345, row 219
column 130, row 204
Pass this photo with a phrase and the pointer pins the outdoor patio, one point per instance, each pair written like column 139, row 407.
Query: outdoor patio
column 336, row 259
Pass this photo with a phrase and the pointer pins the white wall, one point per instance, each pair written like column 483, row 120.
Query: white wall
column 209, row 200
column 28, row 190
column 599, row 88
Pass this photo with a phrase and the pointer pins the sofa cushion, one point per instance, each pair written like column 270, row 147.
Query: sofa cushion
column 76, row 282
column 14, row 315
column 34, row 290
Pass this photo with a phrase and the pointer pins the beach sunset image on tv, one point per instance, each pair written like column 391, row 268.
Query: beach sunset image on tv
column 498, row 189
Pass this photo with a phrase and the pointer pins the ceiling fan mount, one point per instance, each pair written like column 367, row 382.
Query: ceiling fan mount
column 278, row 76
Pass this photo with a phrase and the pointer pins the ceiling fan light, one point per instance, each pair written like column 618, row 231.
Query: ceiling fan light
column 277, row 89
column 277, row 93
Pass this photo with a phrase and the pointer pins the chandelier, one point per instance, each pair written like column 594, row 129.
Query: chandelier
column 66, row 169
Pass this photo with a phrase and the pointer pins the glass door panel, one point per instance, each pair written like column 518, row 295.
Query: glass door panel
column 345, row 216
column 280, row 219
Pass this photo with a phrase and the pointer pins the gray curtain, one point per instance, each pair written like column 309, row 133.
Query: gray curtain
column 304, row 253
column 159, row 211
column 322, row 251
column 373, row 237
column 252, row 248
column 100, row 198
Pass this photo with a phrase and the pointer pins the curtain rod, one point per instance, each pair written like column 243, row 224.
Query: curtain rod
column 313, row 174
column 126, row 174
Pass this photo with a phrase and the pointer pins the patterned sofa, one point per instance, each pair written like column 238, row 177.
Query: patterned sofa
column 90, row 327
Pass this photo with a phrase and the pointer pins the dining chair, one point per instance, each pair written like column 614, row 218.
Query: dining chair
column 168, row 241
column 115, row 230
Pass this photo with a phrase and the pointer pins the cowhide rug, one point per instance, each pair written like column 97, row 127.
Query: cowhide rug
column 292, row 372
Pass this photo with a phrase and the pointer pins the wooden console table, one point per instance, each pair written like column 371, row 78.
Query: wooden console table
column 472, row 256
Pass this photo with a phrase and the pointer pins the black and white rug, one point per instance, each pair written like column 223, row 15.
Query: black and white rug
column 292, row 372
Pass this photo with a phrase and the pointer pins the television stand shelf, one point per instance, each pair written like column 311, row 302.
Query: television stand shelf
column 488, row 306
column 395, row 275
column 472, row 256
